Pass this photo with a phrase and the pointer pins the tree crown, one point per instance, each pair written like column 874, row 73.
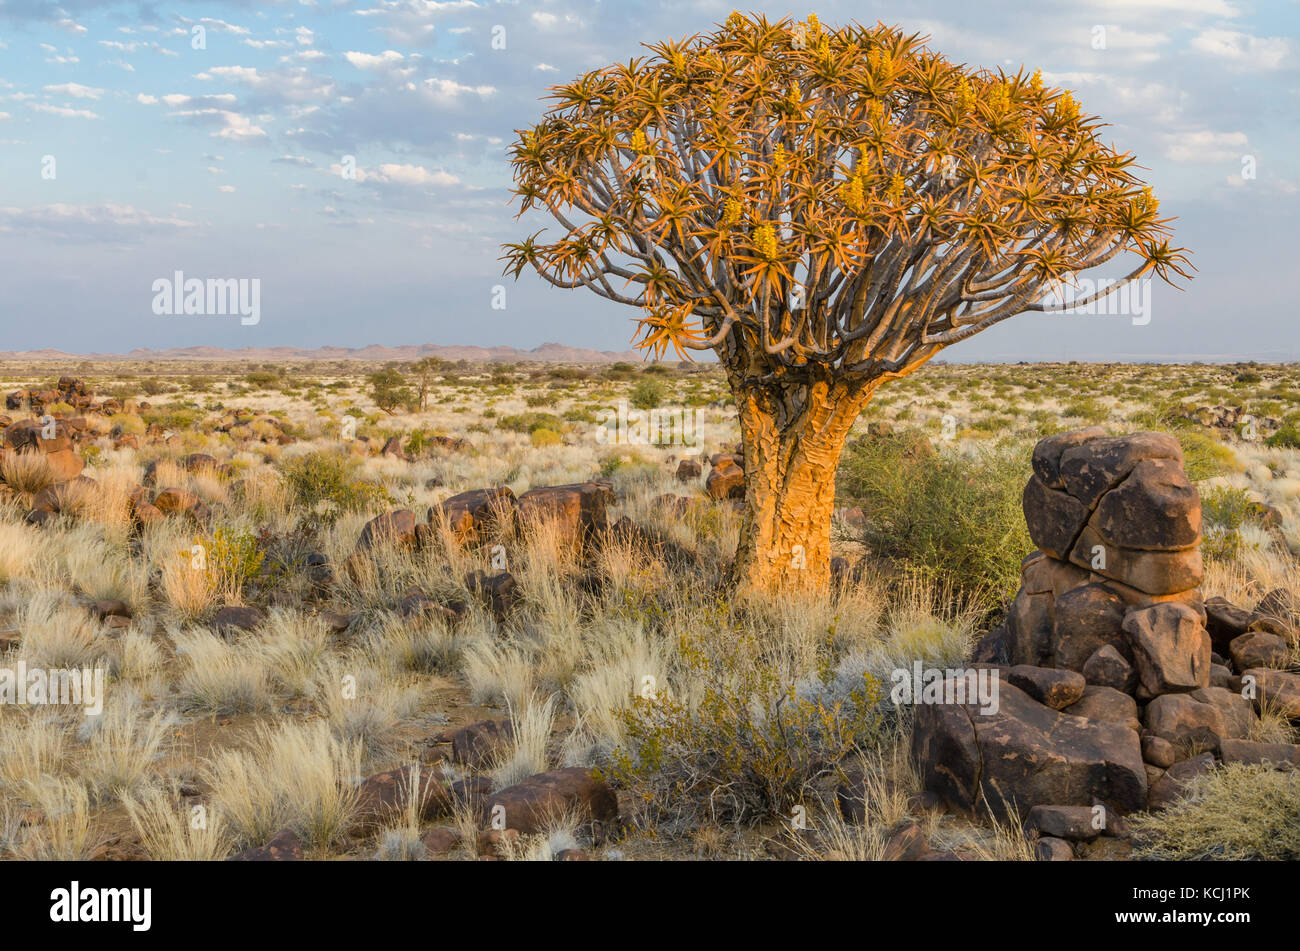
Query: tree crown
column 825, row 200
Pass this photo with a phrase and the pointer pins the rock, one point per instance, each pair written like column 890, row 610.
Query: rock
column 1048, row 849
column 725, row 482
column 906, row 843
column 1072, row 823
column 1224, row 621
column 1172, row 785
column 1053, row 688
column 1257, row 649
column 198, row 460
column 1153, row 572
column 1087, row 618
column 1047, row 453
column 239, row 617
column 1041, row 574
column 1098, row 465
column 1154, row 508
column 1279, row 606
column 991, row 648
column 688, row 470
column 1025, row 754
column 1180, row 718
column 1254, row 754
column 1170, row 648
column 383, row 798
column 528, row 805
column 1220, row 676
column 1158, row 751
column 497, row 843
column 477, row 744
column 1108, row 668
column 104, row 609
column 441, row 840
column 1029, row 629
column 500, row 592
column 472, row 516
column 572, row 855
column 1238, row 715
column 1106, row 704
column 392, row 528
column 1275, row 689
column 284, row 847
column 415, row 603
column 577, row 511
column 1054, row 518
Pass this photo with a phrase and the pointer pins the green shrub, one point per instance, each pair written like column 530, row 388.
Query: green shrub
column 956, row 518
column 1224, row 510
column 329, row 480
column 748, row 749
column 1288, row 437
column 528, row 422
column 1204, row 457
column 1234, row 813
column 648, row 394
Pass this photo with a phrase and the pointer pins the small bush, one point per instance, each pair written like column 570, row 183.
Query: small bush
column 542, row 438
column 648, row 394
column 1234, row 813
column 1204, row 457
column 329, row 478
column 529, row 422
column 749, row 748
column 950, row 517
column 1224, row 511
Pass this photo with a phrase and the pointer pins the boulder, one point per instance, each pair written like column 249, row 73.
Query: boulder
column 1258, row 649
column 1275, row 689
column 1054, row 518
column 1048, row 451
column 1106, row 704
column 1052, row 688
column 477, row 744
column 384, row 797
column 726, row 481
column 1108, row 668
column 689, row 470
column 472, row 515
column 1172, row 784
column 1098, row 465
column 1086, row 618
column 1225, row 622
column 1072, row 823
column 284, row 847
column 1025, row 754
column 1170, row 648
column 1154, row 508
column 529, row 805
column 576, row 510
column 1246, row 752
column 239, row 617
column 392, row 528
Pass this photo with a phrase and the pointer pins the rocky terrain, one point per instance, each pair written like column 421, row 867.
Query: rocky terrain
column 495, row 628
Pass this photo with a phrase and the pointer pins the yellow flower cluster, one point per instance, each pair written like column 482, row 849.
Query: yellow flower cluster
column 897, row 184
column 1036, row 81
column 965, row 95
column 764, row 238
column 638, row 141
column 730, row 213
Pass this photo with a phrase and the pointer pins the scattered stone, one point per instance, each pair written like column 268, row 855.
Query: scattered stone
column 284, row 847
column 1158, row 751
column 1072, row 823
column 1172, row 785
column 239, row 617
column 1048, row 849
column 1053, row 688
column 1282, row 755
column 526, row 806
column 1170, row 647
column 1108, row 668
column 1258, row 649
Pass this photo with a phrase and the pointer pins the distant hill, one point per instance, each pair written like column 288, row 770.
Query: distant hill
column 546, row 353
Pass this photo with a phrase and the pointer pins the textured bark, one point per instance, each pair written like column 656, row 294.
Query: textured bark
column 792, row 439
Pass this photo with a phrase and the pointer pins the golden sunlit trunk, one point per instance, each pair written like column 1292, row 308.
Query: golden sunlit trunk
column 792, row 449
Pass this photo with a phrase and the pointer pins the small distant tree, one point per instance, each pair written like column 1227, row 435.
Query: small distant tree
column 825, row 209
column 389, row 390
column 426, row 371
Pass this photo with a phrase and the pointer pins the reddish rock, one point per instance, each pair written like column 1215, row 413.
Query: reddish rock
column 527, row 806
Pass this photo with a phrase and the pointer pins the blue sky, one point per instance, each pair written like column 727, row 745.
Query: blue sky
column 226, row 160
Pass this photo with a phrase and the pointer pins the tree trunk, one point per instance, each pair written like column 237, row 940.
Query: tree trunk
column 792, row 441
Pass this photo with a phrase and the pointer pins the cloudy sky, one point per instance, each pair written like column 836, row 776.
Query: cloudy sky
column 138, row 139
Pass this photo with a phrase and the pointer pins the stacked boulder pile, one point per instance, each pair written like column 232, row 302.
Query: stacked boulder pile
column 1117, row 682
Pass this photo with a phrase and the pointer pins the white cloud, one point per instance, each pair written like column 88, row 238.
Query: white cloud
column 1244, row 50
column 407, row 175
column 1205, row 146
column 75, row 90
column 232, row 125
column 63, row 111
column 374, row 60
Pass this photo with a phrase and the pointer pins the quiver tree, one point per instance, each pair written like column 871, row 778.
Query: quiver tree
column 825, row 209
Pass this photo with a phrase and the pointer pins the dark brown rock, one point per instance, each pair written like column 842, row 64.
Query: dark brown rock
column 1170, row 648
column 1053, row 688
column 527, row 806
